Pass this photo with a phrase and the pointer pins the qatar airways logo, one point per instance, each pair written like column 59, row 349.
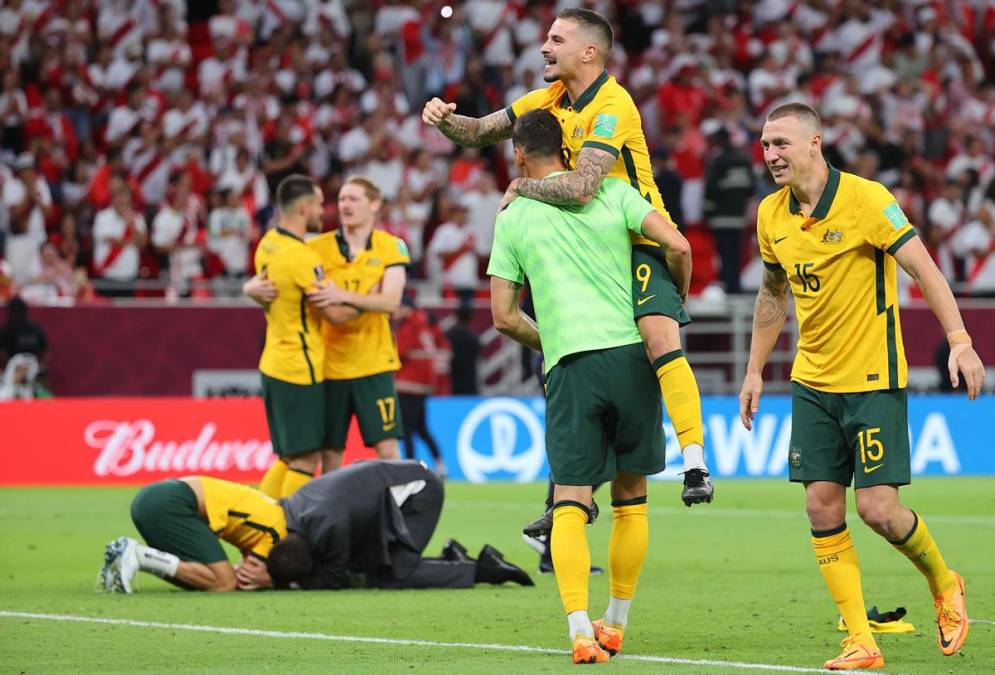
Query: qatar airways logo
column 128, row 448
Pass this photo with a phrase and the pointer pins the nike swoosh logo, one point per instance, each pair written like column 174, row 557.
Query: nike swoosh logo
column 388, row 427
column 943, row 641
column 641, row 301
column 778, row 241
column 869, row 469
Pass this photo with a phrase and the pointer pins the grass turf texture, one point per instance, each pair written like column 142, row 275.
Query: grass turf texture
column 730, row 581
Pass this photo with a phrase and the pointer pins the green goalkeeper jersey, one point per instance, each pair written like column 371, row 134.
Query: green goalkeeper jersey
column 577, row 260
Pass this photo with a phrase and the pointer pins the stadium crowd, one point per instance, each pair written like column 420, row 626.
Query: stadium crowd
column 143, row 139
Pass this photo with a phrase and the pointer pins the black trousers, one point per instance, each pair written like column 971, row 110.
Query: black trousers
column 729, row 245
column 415, row 422
column 408, row 568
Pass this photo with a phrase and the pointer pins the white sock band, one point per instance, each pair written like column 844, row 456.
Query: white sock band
column 580, row 624
column 618, row 611
column 694, row 457
column 157, row 562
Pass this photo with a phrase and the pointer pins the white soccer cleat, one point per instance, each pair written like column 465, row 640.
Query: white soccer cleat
column 120, row 566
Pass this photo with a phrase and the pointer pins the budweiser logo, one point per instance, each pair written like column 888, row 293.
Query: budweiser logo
column 127, row 448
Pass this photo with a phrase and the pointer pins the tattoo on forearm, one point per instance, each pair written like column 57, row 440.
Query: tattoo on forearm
column 772, row 300
column 514, row 285
column 571, row 188
column 473, row 132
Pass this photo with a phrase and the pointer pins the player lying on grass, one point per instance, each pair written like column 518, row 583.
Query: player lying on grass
column 603, row 410
column 365, row 525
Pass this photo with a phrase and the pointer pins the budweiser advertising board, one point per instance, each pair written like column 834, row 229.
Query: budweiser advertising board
column 137, row 440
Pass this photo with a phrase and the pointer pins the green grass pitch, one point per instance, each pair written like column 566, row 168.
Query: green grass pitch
column 734, row 581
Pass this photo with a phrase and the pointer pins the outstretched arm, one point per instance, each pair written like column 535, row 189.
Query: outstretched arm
column 768, row 319
column 470, row 132
column 571, row 188
column 915, row 260
column 508, row 316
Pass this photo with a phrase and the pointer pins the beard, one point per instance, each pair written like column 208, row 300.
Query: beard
column 313, row 225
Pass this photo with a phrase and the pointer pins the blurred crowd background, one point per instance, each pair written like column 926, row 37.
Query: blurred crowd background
column 142, row 139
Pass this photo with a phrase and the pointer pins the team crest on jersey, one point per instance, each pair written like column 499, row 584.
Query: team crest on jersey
column 604, row 125
column 373, row 262
column 832, row 237
column 319, row 273
column 896, row 216
column 578, row 132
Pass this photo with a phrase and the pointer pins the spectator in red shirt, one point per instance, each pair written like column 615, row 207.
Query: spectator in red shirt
column 418, row 347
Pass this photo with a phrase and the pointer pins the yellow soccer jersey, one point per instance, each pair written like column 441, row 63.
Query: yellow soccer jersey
column 844, row 280
column 294, row 350
column 245, row 518
column 365, row 345
column 606, row 118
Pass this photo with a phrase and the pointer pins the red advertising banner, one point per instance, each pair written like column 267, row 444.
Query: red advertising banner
column 94, row 441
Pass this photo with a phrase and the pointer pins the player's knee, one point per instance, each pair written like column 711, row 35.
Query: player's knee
column 824, row 515
column 876, row 515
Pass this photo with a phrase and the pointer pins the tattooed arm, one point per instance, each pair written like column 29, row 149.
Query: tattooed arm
column 573, row 187
column 470, row 132
column 508, row 316
column 768, row 319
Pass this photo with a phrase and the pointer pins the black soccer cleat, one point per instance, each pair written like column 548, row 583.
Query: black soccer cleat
column 697, row 487
column 543, row 525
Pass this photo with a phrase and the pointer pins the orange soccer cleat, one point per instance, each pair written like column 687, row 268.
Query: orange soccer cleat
column 609, row 636
column 859, row 651
column 586, row 650
column 951, row 618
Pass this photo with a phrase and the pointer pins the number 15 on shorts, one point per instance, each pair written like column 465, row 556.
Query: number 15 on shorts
column 871, row 449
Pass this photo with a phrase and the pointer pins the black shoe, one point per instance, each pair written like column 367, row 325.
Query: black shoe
column 697, row 487
column 492, row 568
column 455, row 552
column 543, row 525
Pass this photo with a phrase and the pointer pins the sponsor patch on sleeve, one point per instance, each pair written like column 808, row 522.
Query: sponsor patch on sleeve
column 604, row 125
column 402, row 248
column 896, row 216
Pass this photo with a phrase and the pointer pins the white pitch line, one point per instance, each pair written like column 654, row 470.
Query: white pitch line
column 706, row 510
column 984, row 621
column 739, row 665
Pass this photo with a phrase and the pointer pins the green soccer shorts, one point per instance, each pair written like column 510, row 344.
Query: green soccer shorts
column 295, row 414
column 372, row 399
column 166, row 515
column 603, row 415
column 861, row 438
column 653, row 289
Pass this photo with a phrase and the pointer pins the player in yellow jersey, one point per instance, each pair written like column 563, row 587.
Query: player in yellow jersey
column 181, row 522
column 835, row 238
column 366, row 274
column 602, row 130
column 293, row 359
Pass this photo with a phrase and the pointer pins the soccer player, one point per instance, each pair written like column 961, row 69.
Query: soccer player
column 292, row 362
column 181, row 522
column 364, row 269
column 372, row 518
column 834, row 238
column 366, row 274
column 602, row 130
column 603, row 402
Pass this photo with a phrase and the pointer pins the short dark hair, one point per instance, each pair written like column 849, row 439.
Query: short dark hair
column 292, row 188
column 290, row 561
column 801, row 111
column 537, row 133
column 592, row 21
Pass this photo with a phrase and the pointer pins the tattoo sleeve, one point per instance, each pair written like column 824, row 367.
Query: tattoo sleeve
column 573, row 187
column 477, row 132
column 772, row 299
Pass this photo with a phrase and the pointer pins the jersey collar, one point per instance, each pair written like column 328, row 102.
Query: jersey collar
column 288, row 233
column 821, row 209
column 588, row 94
column 344, row 245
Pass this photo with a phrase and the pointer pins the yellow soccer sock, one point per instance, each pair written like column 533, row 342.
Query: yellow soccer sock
column 272, row 483
column 841, row 569
column 571, row 555
column 919, row 547
column 294, row 480
column 680, row 397
column 627, row 546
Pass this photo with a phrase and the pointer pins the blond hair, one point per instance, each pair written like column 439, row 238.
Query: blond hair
column 369, row 187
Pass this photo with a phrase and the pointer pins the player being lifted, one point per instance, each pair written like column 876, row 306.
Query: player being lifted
column 602, row 130
column 834, row 238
